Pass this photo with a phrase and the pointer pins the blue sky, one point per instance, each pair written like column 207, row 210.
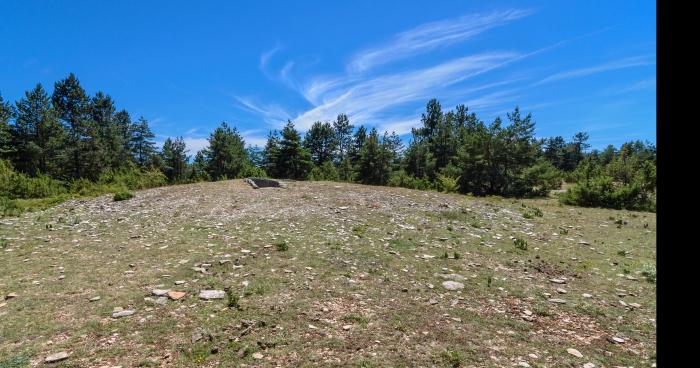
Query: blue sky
column 185, row 66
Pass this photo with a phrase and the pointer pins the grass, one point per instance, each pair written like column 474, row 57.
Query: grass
column 123, row 195
column 325, row 269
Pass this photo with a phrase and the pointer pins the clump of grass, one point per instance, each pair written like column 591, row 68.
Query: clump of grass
column 282, row 246
column 649, row 273
column 621, row 253
column 488, row 281
column 123, row 195
column 457, row 255
column 233, row 299
column 17, row 361
column 520, row 243
column 563, row 231
column 452, row 358
column 356, row 318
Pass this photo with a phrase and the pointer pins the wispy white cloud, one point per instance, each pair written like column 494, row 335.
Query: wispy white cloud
column 431, row 36
column 272, row 114
column 629, row 62
column 267, row 55
column 364, row 100
column 642, row 85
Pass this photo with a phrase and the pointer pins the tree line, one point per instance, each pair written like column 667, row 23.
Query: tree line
column 69, row 139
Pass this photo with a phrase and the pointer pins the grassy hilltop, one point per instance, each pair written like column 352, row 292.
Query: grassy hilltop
column 326, row 274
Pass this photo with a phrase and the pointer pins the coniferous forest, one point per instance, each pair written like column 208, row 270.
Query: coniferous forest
column 64, row 143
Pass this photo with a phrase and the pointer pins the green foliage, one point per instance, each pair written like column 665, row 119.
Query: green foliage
column 447, row 184
column 649, row 273
column 232, row 299
column 15, row 361
column 401, row 179
column 123, row 195
column 226, row 155
column 324, row 172
column 520, row 243
column 282, row 246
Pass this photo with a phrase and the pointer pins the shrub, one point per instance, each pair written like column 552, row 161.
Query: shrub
column 447, row 184
column 282, row 246
column 123, row 195
column 520, row 243
column 325, row 172
column 401, row 179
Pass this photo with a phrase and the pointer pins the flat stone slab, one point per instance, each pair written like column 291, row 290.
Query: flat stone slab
column 124, row 313
column 212, row 294
column 453, row 285
column 257, row 183
column 176, row 295
column 56, row 357
column 158, row 292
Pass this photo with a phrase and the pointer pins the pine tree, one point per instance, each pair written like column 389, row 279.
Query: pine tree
column 292, row 161
column 321, row 142
column 72, row 105
column 270, row 154
column 175, row 159
column 373, row 165
column 7, row 113
column 141, row 144
column 227, row 155
column 36, row 135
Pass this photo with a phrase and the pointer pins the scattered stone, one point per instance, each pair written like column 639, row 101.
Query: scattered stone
column 347, row 327
column 158, row 292
column 574, row 352
column 561, row 291
column 179, row 282
column 257, row 355
column 585, row 295
column 94, row 299
column 10, row 296
column 558, row 281
column 558, row 301
column 176, row 295
column 212, row 294
column 616, row 340
column 453, row 285
column 589, row 365
column 123, row 313
column 56, row 357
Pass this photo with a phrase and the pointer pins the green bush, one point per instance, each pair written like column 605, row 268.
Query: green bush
column 124, row 195
column 15, row 185
column 325, row 172
column 401, row 179
column 447, row 184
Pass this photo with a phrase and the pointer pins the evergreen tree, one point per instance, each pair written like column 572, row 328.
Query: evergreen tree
column 374, row 162
column 122, row 134
column 73, row 107
column 199, row 166
column 343, row 135
column 7, row 113
column 321, row 142
column 358, row 141
column 175, row 159
column 37, row 135
column 141, row 143
column 270, row 154
column 227, row 155
column 292, row 161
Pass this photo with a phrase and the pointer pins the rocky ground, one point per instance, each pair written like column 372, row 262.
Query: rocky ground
column 326, row 274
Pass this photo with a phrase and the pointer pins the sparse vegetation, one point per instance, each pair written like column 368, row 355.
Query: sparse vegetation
column 349, row 287
column 123, row 195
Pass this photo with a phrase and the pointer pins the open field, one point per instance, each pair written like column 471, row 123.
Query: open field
column 327, row 274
